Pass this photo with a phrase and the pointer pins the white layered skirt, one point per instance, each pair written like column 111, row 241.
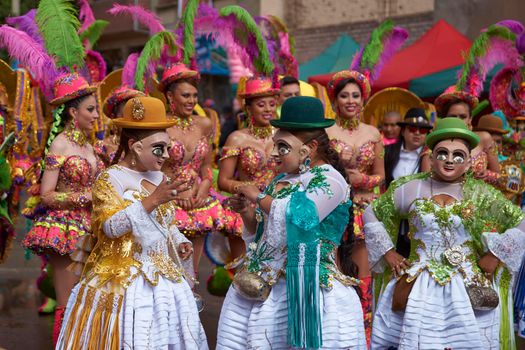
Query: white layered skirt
column 436, row 317
column 246, row 324
column 164, row 316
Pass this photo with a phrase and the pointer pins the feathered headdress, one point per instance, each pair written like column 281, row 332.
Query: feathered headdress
column 234, row 28
column 496, row 45
column 502, row 94
column 384, row 42
column 367, row 64
column 281, row 45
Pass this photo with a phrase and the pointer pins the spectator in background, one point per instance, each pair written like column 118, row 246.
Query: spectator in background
column 390, row 128
column 228, row 124
column 289, row 88
column 408, row 156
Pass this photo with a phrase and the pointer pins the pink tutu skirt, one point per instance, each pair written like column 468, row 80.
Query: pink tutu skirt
column 59, row 231
column 212, row 217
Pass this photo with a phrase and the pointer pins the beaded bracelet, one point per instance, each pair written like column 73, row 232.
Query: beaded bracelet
column 81, row 200
column 369, row 182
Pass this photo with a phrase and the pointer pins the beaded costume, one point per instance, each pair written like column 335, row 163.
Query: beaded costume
column 64, row 222
column 447, row 243
column 133, row 293
column 295, row 255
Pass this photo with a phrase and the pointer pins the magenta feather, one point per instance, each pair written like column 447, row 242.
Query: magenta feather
column 27, row 23
column 514, row 26
column 356, row 60
column 520, row 44
column 390, row 46
column 128, row 72
column 30, row 55
column 138, row 13
column 220, row 29
column 85, row 15
column 101, row 63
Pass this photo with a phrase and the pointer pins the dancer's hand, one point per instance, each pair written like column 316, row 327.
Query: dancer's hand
column 354, row 176
column 396, row 262
column 488, row 263
column 166, row 191
column 239, row 203
column 185, row 250
column 249, row 191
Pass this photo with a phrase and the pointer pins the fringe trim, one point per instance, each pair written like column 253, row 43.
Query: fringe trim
column 94, row 322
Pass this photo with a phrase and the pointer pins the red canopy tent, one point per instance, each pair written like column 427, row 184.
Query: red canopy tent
column 440, row 48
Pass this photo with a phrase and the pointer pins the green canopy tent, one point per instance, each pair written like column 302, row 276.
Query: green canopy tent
column 336, row 57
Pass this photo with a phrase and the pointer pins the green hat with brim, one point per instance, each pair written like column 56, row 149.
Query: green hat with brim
column 451, row 128
column 302, row 113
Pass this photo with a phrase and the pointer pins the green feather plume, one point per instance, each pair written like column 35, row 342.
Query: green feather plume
column 372, row 50
column 261, row 62
column 152, row 51
column 58, row 23
column 93, row 32
column 479, row 48
column 188, row 20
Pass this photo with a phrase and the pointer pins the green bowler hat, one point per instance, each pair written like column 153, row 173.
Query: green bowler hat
column 451, row 128
column 302, row 113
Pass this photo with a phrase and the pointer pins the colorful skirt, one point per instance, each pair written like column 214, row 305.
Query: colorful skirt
column 232, row 220
column 59, row 231
column 200, row 221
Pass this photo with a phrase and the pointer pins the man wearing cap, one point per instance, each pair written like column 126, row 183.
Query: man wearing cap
column 407, row 156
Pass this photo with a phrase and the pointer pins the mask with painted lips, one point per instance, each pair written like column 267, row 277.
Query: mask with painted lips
column 450, row 160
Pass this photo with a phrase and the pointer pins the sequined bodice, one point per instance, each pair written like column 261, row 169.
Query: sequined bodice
column 361, row 158
column 436, row 232
column 178, row 153
column 254, row 163
column 76, row 172
column 480, row 163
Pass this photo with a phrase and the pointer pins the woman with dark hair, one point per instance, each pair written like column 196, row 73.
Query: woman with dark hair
column 198, row 212
column 134, row 293
column 289, row 292
column 63, row 231
column 246, row 155
column 360, row 149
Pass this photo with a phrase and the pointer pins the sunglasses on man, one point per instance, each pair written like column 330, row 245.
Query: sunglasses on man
column 414, row 129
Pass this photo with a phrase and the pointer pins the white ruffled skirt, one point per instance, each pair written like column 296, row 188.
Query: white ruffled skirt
column 164, row 316
column 246, row 324
column 436, row 317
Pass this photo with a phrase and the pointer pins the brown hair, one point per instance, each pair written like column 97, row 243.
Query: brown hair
column 449, row 104
column 327, row 153
column 341, row 85
column 131, row 134
column 171, row 87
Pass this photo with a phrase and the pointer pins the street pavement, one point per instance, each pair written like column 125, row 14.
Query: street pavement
column 21, row 328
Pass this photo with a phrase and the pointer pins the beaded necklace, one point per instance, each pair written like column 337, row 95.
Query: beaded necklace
column 76, row 136
column 260, row 132
column 349, row 124
column 185, row 124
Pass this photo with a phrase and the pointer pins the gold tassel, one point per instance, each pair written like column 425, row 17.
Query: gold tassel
column 73, row 315
column 84, row 317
